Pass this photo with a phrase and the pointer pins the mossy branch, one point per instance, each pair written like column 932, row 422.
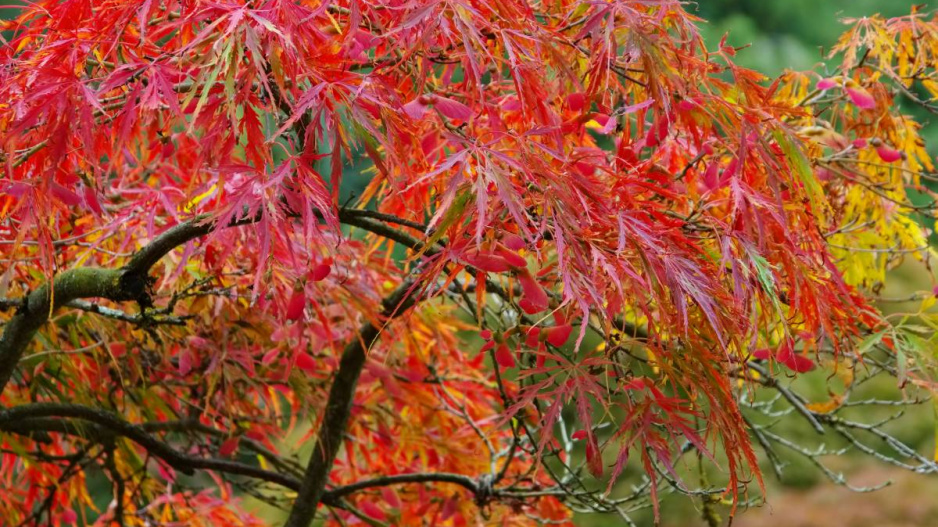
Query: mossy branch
column 339, row 408
column 127, row 283
column 130, row 282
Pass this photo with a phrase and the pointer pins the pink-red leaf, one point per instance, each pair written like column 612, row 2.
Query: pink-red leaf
column 321, row 271
column 296, row 305
column 452, row 109
column 861, row 98
column 490, row 263
column 372, row 510
column 558, row 335
column 889, row 155
column 305, row 362
column 504, row 356
column 229, row 446
column 534, row 299
column 794, row 361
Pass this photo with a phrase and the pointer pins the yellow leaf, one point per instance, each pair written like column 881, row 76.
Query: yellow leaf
column 23, row 43
column 828, row 406
column 593, row 124
column 928, row 303
column 200, row 198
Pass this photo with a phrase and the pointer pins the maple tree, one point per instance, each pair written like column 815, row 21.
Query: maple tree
column 587, row 243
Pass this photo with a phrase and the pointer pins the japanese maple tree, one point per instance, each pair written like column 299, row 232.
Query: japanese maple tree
column 587, row 243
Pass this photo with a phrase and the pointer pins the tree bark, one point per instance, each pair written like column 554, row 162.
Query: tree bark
column 85, row 282
column 338, row 409
column 129, row 282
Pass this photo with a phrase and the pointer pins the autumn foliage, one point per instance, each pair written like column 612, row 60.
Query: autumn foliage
column 585, row 241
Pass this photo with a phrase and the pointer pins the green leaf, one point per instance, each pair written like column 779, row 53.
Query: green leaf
column 210, row 83
column 233, row 53
column 801, row 165
column 452, row 214
column 870, row 341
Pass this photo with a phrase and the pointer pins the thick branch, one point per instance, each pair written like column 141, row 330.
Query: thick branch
column 346, row 214
column 84, row 282
column 356, row 218
column 338, row 408
column 36, row 420
column 16, row 419
column 398, row 479
column 141, row 262
column 195, row 427
column 129, row 282
column 10, row 303
column 100, row 426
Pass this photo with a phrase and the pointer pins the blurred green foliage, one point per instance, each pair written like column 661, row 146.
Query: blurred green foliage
column 787, row 33
column 796, row 34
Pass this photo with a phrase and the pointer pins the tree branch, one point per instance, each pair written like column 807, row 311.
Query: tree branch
column 101, row 426
column 19, row 418
column 338, row 409
column 381, row 216
column 130, row 282
column 116, row 314
column 36, row 420
column 382, row 481
column 83, row 282
column 127, row 283
column 194, row 426
column 141, row 262
column 10, row 303
column 367, row 222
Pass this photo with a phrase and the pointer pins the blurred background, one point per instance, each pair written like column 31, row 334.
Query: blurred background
column 790, row 33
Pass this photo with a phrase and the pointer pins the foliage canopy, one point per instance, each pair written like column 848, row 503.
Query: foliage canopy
column 640, row 234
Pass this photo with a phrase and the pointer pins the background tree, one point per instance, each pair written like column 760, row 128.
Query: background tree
column 638, row 233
